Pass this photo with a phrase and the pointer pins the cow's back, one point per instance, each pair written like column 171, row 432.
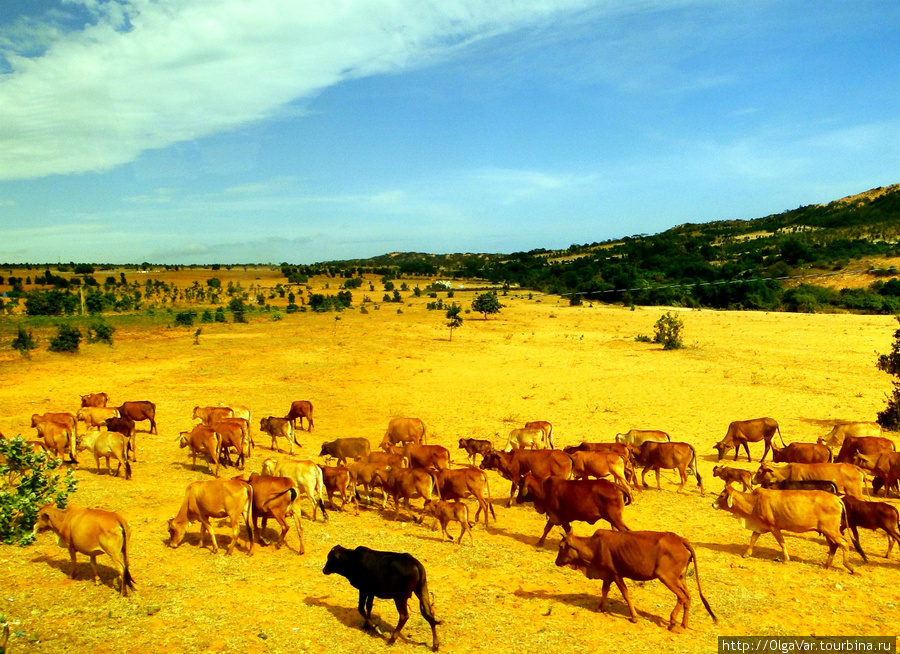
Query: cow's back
column 541, row 463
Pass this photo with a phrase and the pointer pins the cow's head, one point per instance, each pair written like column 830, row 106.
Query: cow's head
column 725, row 500
column 268, row 467
column 490, row 461
column 337, row 560
column 574, row 553
column 530, row 489
column 764, row 475
column 43, row 519
column 182, row 439
column 176, row 531
column 722, row 448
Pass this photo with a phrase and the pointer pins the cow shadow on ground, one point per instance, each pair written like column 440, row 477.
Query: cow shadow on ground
column 616, row 608
column 350, row 618
column 200, row 467
column 83, row 570
column 551, row 542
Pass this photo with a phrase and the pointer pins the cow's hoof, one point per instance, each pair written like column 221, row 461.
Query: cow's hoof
column 676, row 628
column 633, row 620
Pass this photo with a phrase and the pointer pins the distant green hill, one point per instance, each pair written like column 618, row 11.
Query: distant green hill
column 725, row 264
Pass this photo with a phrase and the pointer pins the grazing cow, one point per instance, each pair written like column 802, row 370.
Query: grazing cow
column 614, row 556
column 801, row 453
column 306, row 475
column 734, row 476
column 445, row 512
column 299, row 410
column 874, row 516
column 546, row 431
column 210, row 415
column 276, row 427
column 742, row 432
column 403, row 430
column 95, row 399
column 90, row 532
column 521, row 438
column 474, row 446
column 58, row 438
column 139, row 411
column 96, row 416
column 657, row 456
column 541, row 464
column 427, row 456
column 365, row 474
column 638, row 437
column 216, row 498
column 202, row 440
column 125, row 426
column 885, row 465
column 405, row 484
column 232, row 434
column 565, row 501
column 764, row 511
column 273, row 497
column 346, row 448
column 602, row 464
column 109, row 445
column 837, row 435
column 385, row 575
column 461, row 483
column 337, row 481
column 848, row 478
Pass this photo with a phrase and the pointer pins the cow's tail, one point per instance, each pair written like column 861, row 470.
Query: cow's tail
column 434, row 480
column 127, row 579
column 424, row 596
column 778, row 429
column 690, row 548
column 845, row 523
column 487, row 488
column 626, row 493
column 248, row 517
column 831, row 455
column 294, row 434
column 321, row 493
column 127, row 468
column 694, row 467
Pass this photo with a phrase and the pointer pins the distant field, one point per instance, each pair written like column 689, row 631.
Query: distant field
column 539, row 359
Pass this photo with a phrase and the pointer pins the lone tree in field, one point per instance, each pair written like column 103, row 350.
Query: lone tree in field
column 454, row 320
column 668, row 332
column 487, row 303
column 890, row 363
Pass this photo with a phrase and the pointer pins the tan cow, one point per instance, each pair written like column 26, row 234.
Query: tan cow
column 772, row 511
column 95, row 399
column 519, row 439
column 216, row 498
column 94, row 416
column 846, row 477
column 337, row 481
column 67, row 419
column 835, row 438
column 638, row 437
column 238, row 410
column 445, row 512
column 742, row 432
column 307, row 475
column 602, row 464
column 202, row 440
column 210, row 415
column 366, row 475
column 546, row 431
column 299, row 410
column 403, row 430
column 734, row 476
column 108, row 445
column 427, row 456
column 273, row 497
column 658, row 456
column 467, row 482
column 233, row 435
column 59, row 438
column 406, row 484
column 90, row 532
column 275, row 427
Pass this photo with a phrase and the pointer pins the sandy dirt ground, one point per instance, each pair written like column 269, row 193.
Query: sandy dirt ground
column 539, row 359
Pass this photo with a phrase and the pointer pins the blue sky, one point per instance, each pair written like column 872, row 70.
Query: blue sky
column 226, row 131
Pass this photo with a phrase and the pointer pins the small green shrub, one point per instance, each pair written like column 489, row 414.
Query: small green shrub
column 668, row 331
column 24, row 342
column 643, row 338
column 100, row 333
column 185, row 319
column 67, row 339
column 276, row 316
column 206, row 316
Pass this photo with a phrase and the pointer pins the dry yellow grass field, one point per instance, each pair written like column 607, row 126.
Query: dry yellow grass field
column 577, row 367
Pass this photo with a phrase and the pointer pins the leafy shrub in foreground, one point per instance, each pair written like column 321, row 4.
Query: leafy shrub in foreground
column 67, row 339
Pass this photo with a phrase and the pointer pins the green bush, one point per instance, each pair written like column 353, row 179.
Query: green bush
column 206, row 316
column 24, row 342
column 67, row 339
column 100, row 333
column 185, row 319
column 643, row 338
column 487, row 303
column 28, row 481
column 889, row 418
column 668, row 331
column 220, row 314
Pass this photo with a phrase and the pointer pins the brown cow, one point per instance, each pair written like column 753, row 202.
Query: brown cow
column 445, row 512
column 406, row 484
column 202, row 440
column 427, row 456
column 299, row 410
column 546, row 430
column 734, row 476
column 125, row 426
column 565, row 501
column 742, row 432
column 210, row 415
column 656, row 456
column 139, row 411
column 216, row 498
column 365, row 474
column 385, row 459
column 874, row 516
column 602, row 464
column 885, row 465
column 402, row 431
column 95, row 399
column 846, row 477
column 273, row 497
column 337, row 481
column 109, row 445
column 474, row 446
column 864, row 445
column 275, row 427
column 232, row 434
column 462, row 483
column 801, row 453
column 90, row 532
column 66, row 419
column 614, row 556
column 58, row 438
column 540, row 463
column 346, row 448
column 764, row 511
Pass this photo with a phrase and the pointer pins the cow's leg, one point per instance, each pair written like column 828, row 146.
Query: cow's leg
column 403, row 609
column 753, row 538
column 604, row 594
column 466, row 528
column 547, row 529
column 152, row 426
column 644, row 476
column 132, row 441
column 296, row 514
column 656, row 470
column 683, row 474
column 683, row 601
column 72, row 554
column 512, row 490
column 94, row 567
column 836, row 540
column 768, row 442
column 620, row 584
column 365, row 608
column 204, row 524
column 780, row 538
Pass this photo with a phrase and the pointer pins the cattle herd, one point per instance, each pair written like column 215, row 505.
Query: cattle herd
column 809, row 488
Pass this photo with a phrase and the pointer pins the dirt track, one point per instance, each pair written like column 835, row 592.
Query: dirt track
column 580, row 368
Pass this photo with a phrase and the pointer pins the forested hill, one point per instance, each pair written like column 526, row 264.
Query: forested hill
column 737, row 264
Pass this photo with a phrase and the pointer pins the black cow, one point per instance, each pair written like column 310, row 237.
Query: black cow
column 346, row 448
column 474, row 446
column 385, row 575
